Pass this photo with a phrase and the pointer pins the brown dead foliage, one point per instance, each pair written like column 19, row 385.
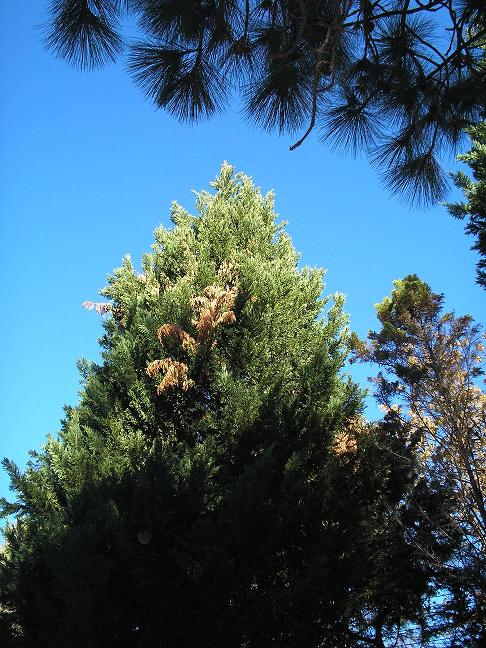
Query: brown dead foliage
column 174, row 331
column 175, row 374
column 213, row 309
column 344, row 444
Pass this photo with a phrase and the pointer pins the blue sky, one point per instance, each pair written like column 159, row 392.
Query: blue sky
column 88, row 169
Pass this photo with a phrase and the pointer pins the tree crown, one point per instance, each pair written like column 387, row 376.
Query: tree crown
column 398, row 80
column 216, row 485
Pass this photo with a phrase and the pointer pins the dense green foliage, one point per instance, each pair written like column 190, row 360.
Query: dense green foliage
column 397, row 79
column 431, row 364
column 216, row 486
column 474, row 209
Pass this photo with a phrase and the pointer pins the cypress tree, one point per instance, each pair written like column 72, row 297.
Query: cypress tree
column 216, row 486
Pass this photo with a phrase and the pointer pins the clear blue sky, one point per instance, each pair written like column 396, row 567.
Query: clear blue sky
column 88, row 169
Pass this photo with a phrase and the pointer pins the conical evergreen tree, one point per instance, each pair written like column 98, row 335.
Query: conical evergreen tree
column 215, row 486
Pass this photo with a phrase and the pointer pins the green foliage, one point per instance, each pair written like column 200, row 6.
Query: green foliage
column 398, row 80
column 474, row 189
column 216, row 486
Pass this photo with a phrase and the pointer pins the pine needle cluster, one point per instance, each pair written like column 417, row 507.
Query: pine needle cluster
column 399, row 80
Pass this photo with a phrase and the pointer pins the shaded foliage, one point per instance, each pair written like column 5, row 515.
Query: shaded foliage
column 398, row 80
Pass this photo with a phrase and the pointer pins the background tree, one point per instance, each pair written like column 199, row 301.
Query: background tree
column 216, row 486
column 474, row 209
column 432, row 363
column 399, row 80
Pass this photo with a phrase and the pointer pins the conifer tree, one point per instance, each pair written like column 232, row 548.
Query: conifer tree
column 473, row 210
column 216, row 486
column 397, row 79
column 431, row 367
